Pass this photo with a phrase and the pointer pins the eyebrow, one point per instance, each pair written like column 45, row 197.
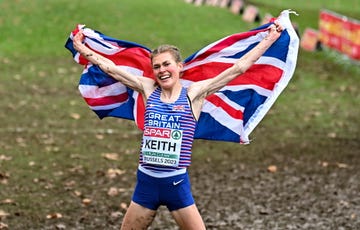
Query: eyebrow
column 164, row 62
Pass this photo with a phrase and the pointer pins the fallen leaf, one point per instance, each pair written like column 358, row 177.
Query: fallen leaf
column 342, row 165
column 342, row 88
column 4, row 175
column 332, row 135
column 5, row 158
column 60, row 226
column 7, row 201
column 116, row 214
column 77, row 169
column 129, row 151
column 272, row 168
column 86, row 201
column 112, row 173
column 121, row 189
column 344, row 203
column 62, row 70
column 3, row 214
column 55, row 215
column 71, row 183
column 75, row 116
column 99, row 136
column 4, row 178
column 111, row 156
column 20, row 140
column 77, row 193
column 73, row 102
column 123, row 206
column 113, row 191
column 3, row 226
column 324, row 164
column 76, row 156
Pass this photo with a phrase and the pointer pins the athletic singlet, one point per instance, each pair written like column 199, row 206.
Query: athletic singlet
column 168, row 134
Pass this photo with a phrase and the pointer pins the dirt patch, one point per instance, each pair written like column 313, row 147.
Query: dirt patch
column 287, row 186
column 310, row 191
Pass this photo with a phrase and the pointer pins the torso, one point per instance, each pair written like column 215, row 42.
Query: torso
column 168, row 133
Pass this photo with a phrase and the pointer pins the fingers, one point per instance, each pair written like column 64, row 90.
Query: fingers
column 78, row 40
column 274, row 31
column 79, row 36
column 278, row 26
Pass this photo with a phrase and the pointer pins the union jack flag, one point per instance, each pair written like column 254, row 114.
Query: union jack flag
column 231, row 114
column 178, row 108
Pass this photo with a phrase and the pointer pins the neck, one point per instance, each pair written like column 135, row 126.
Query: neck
column 172, row 94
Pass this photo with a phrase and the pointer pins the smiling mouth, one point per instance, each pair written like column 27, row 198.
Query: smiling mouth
column 164, row 77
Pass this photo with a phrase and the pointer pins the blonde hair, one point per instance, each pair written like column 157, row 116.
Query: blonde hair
column 173, row 50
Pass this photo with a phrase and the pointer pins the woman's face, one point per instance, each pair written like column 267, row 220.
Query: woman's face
column 166, row 70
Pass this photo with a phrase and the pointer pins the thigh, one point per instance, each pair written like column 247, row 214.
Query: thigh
column 189, row 218
column 146, row 192
column 137, row 217
column 176, row 193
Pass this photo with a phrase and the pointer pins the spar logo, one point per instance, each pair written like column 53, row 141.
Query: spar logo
column 163, row 133
column 176, row 134
column 158, row 132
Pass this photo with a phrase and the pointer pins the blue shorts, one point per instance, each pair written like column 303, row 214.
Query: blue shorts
column 174, row 192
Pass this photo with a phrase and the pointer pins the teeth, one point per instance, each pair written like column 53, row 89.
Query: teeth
column 164, row 77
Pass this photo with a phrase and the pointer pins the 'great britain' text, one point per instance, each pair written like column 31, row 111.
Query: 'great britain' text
column 164, row 121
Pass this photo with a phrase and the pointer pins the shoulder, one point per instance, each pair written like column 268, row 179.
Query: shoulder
column 198, row 90
column 149, row 87
column 196, row 100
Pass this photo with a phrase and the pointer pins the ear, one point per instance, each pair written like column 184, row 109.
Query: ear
column 181, row 66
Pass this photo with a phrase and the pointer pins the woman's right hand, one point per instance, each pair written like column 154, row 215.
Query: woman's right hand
column 78, row 40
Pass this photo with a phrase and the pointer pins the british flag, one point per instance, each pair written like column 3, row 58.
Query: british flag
column 231, row 114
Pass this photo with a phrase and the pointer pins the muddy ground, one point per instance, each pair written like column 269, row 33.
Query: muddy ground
column 287, row 186
column 303, row 191
column 309, row 191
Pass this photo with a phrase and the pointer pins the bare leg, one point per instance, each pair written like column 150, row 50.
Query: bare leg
column 137, row 217
column 189, row 218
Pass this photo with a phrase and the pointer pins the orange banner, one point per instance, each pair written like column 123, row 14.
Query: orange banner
column 309, row 40
column 340, row 33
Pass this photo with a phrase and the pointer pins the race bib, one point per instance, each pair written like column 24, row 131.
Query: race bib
column 161, row 146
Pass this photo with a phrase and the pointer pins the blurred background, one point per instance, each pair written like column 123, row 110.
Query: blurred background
column 63, row 168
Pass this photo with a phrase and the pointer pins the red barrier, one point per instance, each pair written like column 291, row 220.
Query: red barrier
column 310, row 39
column 340, row 33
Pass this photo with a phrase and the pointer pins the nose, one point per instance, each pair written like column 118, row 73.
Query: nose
column 162, row 68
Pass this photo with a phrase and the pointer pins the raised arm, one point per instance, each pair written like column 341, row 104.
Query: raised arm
column 198, row 91
column 141, row 84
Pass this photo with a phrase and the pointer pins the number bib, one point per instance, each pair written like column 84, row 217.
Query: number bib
column 161, row 146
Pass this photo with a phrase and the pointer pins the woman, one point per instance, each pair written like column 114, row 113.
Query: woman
column 170, row 119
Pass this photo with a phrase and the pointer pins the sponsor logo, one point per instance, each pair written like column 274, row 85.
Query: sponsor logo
column 177, row 182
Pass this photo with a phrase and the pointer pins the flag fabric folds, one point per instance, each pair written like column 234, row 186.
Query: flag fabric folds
column 231, row 114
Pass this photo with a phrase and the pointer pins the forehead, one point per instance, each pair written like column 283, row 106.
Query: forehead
column 162, row 57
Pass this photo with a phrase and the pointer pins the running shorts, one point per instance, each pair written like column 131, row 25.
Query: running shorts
column 174, row 192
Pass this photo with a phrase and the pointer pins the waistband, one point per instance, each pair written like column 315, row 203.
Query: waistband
column 161, row 174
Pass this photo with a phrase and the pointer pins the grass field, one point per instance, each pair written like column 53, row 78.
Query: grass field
column 59, row 163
